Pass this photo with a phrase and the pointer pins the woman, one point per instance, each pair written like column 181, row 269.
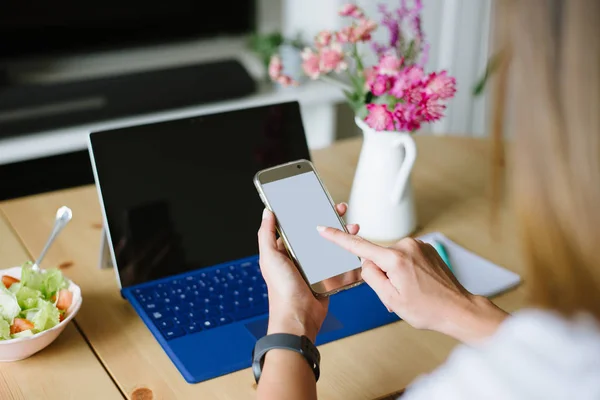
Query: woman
column 550, row 351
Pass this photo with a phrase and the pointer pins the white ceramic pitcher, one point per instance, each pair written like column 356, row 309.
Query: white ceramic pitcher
column 381, row 200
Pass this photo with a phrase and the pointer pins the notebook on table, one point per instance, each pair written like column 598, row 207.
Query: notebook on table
column 478, row 275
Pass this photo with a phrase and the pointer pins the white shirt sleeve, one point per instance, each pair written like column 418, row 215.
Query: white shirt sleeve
column 534, row 355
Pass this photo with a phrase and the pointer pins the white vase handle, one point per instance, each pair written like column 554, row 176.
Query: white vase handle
column 410, row 155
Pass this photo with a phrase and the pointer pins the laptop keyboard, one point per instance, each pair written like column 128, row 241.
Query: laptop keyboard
column 205, row 299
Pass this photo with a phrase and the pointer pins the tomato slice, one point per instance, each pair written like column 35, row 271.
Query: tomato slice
column 20, row 325
column 9, row 280
column 65, row 298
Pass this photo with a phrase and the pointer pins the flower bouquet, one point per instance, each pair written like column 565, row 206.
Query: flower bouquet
column 396, row 94
column 391, row 100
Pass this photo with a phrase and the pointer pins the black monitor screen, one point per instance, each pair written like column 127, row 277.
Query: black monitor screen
column 179, row 195
column 40, row 26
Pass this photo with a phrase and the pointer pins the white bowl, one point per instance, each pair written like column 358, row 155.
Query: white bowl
column 21, row 348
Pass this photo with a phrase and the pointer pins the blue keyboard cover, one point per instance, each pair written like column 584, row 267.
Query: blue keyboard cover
column 205, row 298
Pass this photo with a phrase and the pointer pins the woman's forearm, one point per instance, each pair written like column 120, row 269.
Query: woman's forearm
column 286, row 374
column 474, row 320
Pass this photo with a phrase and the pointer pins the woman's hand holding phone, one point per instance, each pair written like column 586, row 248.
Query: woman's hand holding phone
column 412, row 280
column 292, row 306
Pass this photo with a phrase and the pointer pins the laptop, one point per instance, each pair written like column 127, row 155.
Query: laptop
column 181, row 215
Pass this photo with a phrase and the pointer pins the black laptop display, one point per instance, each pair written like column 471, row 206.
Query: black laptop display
column 178, row 195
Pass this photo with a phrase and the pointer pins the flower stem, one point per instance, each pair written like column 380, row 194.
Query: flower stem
column 335, row 82
column 359, row 64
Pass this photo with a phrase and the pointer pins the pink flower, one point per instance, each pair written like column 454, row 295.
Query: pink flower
column 351, row 10
column 356, row 33
column 345, row 35
column 413, row 95
column 431, row 110
column 285, row 80
column 362, row 32
column 332, row 58
column 370, row 75
column 407, row 79
column 389, row 64
column 311, row 63
column 440, row 85
column 275, row 67
column 323, row 39
column 380, row 85
column 379, row 117
column 407, row 117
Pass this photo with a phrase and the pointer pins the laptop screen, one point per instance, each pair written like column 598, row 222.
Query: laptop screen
column 179, row 195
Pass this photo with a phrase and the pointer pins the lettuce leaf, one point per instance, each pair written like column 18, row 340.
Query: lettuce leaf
column 48, row 282
column 30, row 278
column 26, row 333
column 14, row 288
column 4, row 330
column 52, row 281
column 27, row 297
column 9, row 307
column 44, row 316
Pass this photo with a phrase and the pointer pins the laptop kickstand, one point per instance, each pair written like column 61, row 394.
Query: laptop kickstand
column 105, row 256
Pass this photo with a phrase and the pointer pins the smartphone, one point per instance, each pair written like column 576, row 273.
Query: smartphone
column 295, row 194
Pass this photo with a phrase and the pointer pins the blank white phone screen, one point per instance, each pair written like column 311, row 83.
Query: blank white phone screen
column 300, row 204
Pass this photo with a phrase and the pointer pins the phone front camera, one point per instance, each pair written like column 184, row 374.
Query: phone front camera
column 299, row 166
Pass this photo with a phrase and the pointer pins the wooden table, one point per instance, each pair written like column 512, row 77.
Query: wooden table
column 449, row 179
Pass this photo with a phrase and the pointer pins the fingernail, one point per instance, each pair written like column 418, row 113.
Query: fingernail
column 265, row 213
column 320, row 228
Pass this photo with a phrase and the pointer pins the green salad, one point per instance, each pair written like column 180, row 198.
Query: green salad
column 34, row 303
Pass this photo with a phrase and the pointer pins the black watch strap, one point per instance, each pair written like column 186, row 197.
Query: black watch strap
column 286, row 341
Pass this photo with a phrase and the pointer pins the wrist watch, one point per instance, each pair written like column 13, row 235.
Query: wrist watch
column 286, row 341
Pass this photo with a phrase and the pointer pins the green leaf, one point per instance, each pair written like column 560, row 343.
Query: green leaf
column 389, row 101
column 44, row 316
column 27, row 297
column 15, row 287
column 355, row 82
column 47, row 282
column 359, row 64
column 265, row 42
column 53, row 281
column 362, row 112
column 490, row 69
column 350, row 96
column 32, row 279
column 22, row 334
column 297, row 42
column 265, row 45
column 9, row 306
column 4, row 329
column 410, row 53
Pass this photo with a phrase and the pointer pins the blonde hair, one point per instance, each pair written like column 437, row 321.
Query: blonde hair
column 552, row 54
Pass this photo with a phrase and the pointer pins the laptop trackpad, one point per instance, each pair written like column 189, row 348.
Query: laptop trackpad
column 258, row 328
